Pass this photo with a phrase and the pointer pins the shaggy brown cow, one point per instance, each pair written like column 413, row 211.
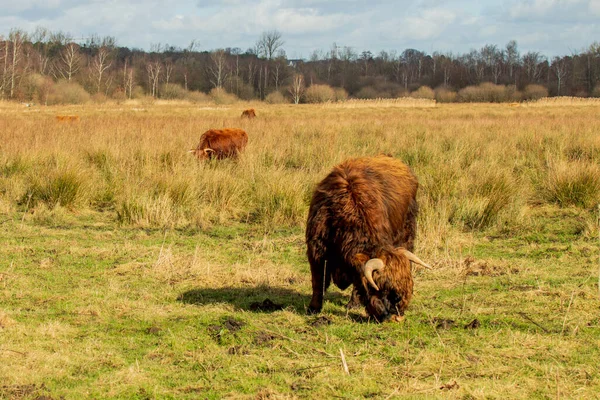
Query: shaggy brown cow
column 362, row 219
column 221, row 143
column 249, row 113
column 67, row 118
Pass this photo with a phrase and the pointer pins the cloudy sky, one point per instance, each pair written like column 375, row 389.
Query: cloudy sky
column 554, row 27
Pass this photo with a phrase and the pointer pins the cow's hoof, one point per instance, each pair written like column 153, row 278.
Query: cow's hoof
column 313, row 310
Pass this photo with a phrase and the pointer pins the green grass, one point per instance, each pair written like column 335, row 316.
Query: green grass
column 102, row 311
column 128, row 270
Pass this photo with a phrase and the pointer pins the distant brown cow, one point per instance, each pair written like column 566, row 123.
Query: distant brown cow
column 249, row 113
column 67, row 118
column 362, row 219
column 221, row 143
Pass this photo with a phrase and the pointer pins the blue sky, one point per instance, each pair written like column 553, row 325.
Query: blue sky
column 553, row 27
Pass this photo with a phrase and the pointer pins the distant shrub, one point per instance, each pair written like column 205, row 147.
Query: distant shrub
column 138, row 92
column 99, row 98
column 340, row 94
column 276, row 98
column 534, row 92
column 445, row 95
column 319, row 94
column 512, row 94
column 424, row 92
column 198, row 97
column 64, row 92
column 367, row 92
column 119, row 95
column 37, row 88
column 172, row 91
column 486, row 92
column 220, row 96
column 596, row 91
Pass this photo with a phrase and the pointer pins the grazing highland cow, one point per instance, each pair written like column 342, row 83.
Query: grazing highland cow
column 249, row 113
column 221, row 143
column 362, row 219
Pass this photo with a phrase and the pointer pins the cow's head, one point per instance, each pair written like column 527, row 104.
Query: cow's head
column 202, row 154
column 388, row 282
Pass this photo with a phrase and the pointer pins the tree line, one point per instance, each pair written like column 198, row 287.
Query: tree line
column 35, row 65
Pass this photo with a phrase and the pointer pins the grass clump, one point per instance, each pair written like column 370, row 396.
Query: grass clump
column 488, row 195
column 573, row 184
column 63, row 187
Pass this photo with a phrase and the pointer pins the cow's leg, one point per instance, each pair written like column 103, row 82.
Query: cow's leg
column 321, row 278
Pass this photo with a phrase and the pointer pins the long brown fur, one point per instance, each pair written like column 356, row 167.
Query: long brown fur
column 365, row 208
column 221, row 143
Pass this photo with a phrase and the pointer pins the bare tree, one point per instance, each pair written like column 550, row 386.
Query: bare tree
column 512, row 57
column 218, row 68
column 531, row 63
column 268, row 44
column 16, row 37
column 560, row 68
column 154, row 68
column 99, row 66
column 4, row 58
column 297, row 88
column 69, row 61
column 168, row 72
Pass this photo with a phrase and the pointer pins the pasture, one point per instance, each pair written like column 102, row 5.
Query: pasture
column 128, row 269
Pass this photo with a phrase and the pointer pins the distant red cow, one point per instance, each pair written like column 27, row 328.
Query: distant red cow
column 249, row 113
column 221, row 143
column 67, row 118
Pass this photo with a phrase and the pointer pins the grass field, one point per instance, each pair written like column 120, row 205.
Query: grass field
column 130, row 270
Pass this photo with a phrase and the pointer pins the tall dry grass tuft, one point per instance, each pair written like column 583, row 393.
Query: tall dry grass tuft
column 575, row 183
column 65, row 187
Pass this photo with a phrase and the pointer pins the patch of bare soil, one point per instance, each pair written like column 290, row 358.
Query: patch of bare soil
column 31, row 391
column 443, row 323
column 262, row 338
column 266, row 306
column 473, row 324
column 320, row 321
column 229, row 324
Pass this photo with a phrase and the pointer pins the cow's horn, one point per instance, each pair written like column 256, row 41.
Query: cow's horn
column 374, row 264
column 414, row 258
column 191, row 151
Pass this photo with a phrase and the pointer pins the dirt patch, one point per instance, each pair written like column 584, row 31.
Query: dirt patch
column 320, row 321
column 473, row 324
column 450, row 386
column 262, row 338
column 229, row 324
column 266, row 306
column 473, row 267
column 24, row 391
column 153, row 330
column 443, row 323
column 237, row 350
